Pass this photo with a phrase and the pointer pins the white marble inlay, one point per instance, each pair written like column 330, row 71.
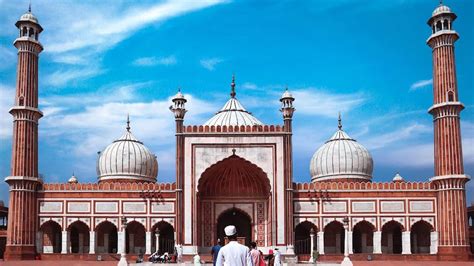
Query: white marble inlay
column 392, row 206
column 363, row 206
column 78, row 206
column 306, row 206
column 51, row 206
column 104, row 207
column 132, row 207
column 421, row 206
column 162, row 207
column 334, row 206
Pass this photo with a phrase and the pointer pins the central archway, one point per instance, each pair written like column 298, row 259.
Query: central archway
column 240, row 220
column 233, row 191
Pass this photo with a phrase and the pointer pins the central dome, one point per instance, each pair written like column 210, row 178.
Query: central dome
column 341, row 157
column 127, row 159
column 233, row 113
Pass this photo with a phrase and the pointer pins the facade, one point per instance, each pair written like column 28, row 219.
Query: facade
column 234, row 169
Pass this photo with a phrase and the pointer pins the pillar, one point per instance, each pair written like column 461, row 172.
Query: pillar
column 148, row 243
column 157, row 241
column 349, row 243
column 434, row 242
column 92, row 235
column 406, row 245
column 321, row 243
column 311, row 238
column 377, row 241
column 64, row 242
column 120, row 242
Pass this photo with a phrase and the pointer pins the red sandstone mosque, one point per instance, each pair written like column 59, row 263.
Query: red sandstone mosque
column 234, row 169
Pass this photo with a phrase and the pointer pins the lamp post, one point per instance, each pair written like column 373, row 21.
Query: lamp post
column 346, row 261
column 123, row 258
column 157, row 239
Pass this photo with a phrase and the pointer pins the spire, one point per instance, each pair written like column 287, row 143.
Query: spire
column 128, row 123
column 339, row 122
column 29, row 7
column 232, row 87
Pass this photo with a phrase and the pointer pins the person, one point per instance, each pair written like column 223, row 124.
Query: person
column 197, row 260
column 215, row 250
column 261, row 262
column 270, row 258
column 277, row 257
column 234, row 253
column 254, row 253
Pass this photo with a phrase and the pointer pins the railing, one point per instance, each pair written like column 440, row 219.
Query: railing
column 303, row 246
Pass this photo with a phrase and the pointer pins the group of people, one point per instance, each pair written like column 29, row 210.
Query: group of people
column 236, row 254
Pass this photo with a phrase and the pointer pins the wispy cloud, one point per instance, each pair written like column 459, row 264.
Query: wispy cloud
column 7, row 96
column 312, row 101
column 72, row 75
column 210, row 63
column 421, row 84
column 396, row 136
column 153, row 61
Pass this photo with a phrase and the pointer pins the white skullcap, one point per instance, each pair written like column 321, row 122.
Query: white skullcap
column 230, row 230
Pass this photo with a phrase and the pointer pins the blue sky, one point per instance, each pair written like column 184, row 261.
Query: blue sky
column 367, row 59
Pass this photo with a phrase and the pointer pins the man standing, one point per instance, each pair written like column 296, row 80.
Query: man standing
column 277, row 257
column 233, row 254
column 255, row 254
column 215, row 250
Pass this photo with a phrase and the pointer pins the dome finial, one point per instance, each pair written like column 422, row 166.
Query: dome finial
column 128, row 123
column 232, row 87
column 29, row 7
column 339, row 122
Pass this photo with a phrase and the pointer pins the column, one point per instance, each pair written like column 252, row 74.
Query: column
column 92, row 242
column 311, row 239
column 406, row 246
column 120, row 242
column 148, row 243
column 321, row 243
column 64, row 240
column 157, row 241
column 349, row 241
column 434, row 242
column 377, row 242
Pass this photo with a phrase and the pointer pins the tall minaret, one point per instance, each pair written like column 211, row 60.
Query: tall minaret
column 287, row 110
column 179, row 110
column 449, row 177
column 24, row 179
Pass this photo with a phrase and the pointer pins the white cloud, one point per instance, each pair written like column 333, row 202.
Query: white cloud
column 421, row 84
column 7, row 96
column 416, row 155
column 153, row 61
column 396, row 136
column 210, row 63
column 72, row 75
column 249, row 86
column 311, row 101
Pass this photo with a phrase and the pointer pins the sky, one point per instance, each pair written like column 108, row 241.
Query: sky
column 367, row 59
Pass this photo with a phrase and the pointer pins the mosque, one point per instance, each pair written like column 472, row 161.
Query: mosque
column 234, row 169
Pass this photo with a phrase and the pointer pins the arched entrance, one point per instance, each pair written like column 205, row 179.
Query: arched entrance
column 240, row 188
column 240, row 220
column 334, row 234
column 166, row 237
column 392, row 238
column 420, row 236
column 362, row 237
column 303, row 238
column 135, row 238
column 51, row 237
column 106, row 237
column 79, row 237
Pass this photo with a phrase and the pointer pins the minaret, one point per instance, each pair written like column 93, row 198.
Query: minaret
column 24, row 179
column 449, row 177
column 287, row 110
column 179, row 111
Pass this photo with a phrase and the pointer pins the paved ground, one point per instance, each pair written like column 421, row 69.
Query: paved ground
column 113, row 263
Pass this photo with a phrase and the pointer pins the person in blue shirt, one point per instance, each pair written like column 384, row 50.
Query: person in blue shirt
column 215, row 250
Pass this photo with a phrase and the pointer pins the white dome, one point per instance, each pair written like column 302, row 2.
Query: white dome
column 441, row 9
column 233, row 114
column 341, row 157
column 28, row 16
column 73, row 179
column 398, row 178
column 127, row 159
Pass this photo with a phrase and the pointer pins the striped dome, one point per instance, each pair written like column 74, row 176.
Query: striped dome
column 233, row 114
column 341, row 157
column 440, row 10
column 127, row 159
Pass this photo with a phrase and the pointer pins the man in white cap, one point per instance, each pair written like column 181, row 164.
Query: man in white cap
column 233, row 254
